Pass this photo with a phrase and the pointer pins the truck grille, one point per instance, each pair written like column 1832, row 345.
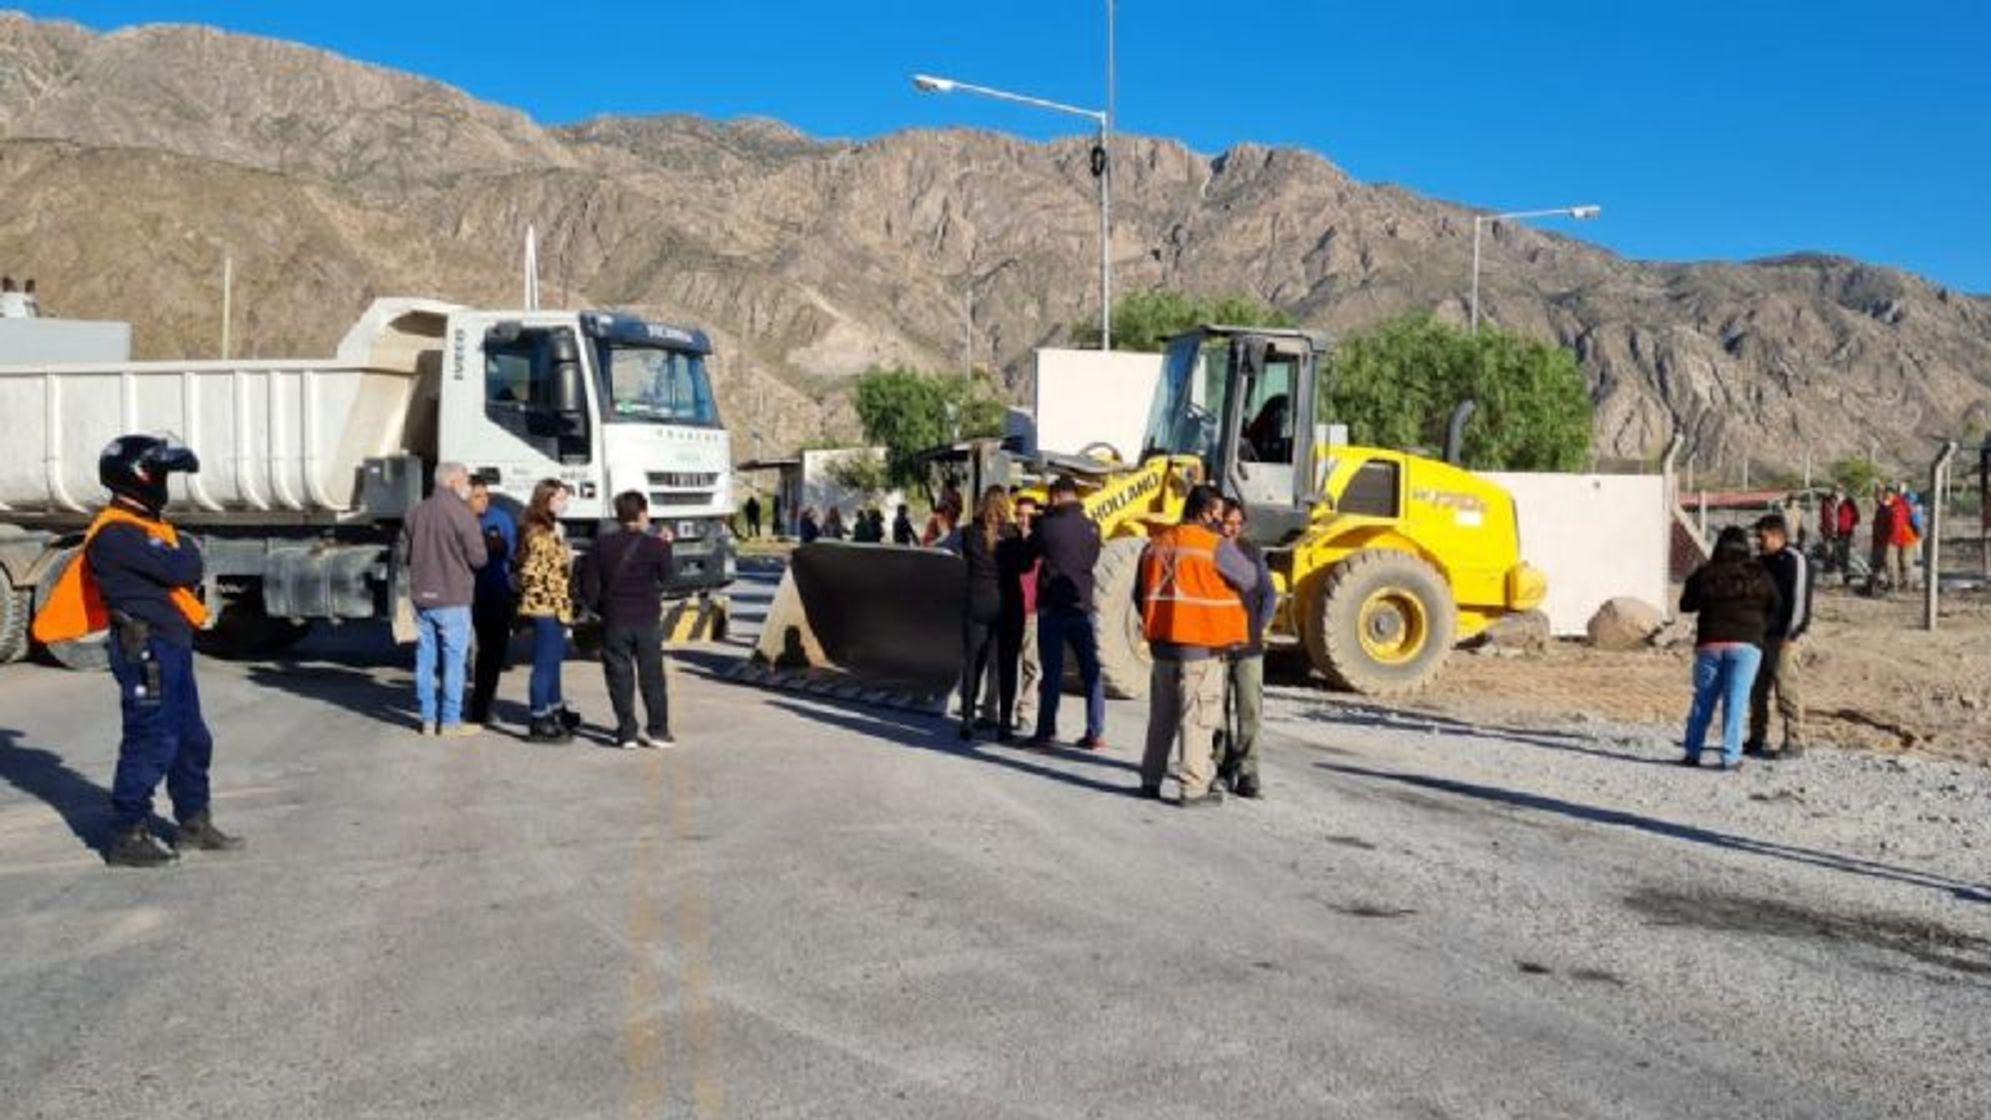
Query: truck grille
column 684, row 480
column 679, row 498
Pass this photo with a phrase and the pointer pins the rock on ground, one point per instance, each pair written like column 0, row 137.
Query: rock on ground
column 1625, row 623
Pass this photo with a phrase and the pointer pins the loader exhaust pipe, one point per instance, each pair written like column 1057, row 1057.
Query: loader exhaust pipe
column 1455, row 431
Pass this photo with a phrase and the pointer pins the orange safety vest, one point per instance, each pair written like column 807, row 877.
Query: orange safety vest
column 76, row 608
column 1184, row 599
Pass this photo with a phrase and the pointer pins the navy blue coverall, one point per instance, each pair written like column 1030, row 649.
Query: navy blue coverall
column 152, row 657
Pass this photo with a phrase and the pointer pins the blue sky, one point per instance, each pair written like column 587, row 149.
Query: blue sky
column 1707, row 130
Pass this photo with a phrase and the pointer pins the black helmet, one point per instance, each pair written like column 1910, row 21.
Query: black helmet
column 136, row 467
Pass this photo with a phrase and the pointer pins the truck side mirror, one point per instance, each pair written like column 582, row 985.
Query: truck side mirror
column 570, row 388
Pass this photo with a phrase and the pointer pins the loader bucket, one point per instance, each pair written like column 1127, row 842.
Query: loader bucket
column 887, row 616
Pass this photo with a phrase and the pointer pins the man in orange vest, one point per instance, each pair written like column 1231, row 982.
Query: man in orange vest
column 136, row 576
column 1188, row 590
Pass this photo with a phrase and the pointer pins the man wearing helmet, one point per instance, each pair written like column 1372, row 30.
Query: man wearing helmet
column 137, row 577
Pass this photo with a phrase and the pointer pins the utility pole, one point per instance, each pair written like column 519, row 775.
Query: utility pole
column 1932, row 541
column 227, row 303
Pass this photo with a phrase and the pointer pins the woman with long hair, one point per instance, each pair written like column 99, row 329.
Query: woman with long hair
column 546, row 599
column 982, row 616
column 1735, row 599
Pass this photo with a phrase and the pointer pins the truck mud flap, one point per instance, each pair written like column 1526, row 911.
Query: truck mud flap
column 879, row 623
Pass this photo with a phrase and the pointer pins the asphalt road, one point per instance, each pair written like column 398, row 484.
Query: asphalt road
column 817, row 910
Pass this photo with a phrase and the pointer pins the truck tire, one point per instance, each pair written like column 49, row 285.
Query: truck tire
column 1124, row 660
column 17, row 610
column 1379, row 623
column 90, row 654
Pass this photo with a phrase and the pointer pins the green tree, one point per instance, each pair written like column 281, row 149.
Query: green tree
column 906, row 412
column 1858, row 475
column 1396, row 386
column 1145, row 321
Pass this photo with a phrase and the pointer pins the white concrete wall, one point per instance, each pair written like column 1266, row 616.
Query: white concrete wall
column 821, row 489
column 1596, row 536
column 1093, row 396
column 42, row 341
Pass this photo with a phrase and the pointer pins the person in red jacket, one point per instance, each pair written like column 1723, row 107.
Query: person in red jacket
column 1848, row 519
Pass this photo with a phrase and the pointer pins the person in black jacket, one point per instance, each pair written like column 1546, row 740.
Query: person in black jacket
column 1068, row 541
column 625, row 578
column 981, row 619
column 1735, row 599
column 1779, row 673
column 145, row 576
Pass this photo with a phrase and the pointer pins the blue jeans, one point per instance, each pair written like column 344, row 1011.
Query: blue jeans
column 1054, row 629
column 164, row 735
column 549, row 649
column 445, row 630
column 1725, row 675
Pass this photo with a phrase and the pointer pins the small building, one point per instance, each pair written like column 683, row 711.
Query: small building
column 814, row 479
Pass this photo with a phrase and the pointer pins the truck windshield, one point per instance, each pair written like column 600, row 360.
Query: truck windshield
column 1189, row 402
column 657, row 385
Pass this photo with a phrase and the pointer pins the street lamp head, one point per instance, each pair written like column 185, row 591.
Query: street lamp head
column 927, row 83
column 1585, row 213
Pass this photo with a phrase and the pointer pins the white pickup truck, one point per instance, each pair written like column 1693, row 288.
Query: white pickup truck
column 308, row 466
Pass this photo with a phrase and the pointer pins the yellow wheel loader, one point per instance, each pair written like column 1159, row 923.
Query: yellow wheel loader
column 1383, row 560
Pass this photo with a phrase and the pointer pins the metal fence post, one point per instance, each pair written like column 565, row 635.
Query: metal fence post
column 1932, row 540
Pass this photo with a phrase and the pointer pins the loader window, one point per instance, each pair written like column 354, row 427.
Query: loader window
column 1189, row 402
column 1268, row 415
column 1372, row 492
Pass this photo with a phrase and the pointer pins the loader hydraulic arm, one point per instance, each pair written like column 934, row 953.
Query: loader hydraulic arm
column 1138, row 494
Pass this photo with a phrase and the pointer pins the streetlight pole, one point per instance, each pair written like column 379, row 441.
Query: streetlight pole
column 926, row 83
column 1580, row 213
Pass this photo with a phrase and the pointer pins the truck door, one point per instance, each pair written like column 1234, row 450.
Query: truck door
column 535, row 421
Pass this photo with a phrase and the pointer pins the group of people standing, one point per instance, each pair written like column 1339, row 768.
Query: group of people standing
column 1898, row 524
column 474, row 569
column 1204, row 596
column 1752, row 608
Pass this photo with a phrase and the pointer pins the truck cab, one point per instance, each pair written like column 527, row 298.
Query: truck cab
column 605, row 402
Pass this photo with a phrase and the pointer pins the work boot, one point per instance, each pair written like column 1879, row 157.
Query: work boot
column 549, row 729
column 1149, row 793
column 198, row 833
column 1246, row 786
column 570, row 720
column 136, row 847
column 1091, row 743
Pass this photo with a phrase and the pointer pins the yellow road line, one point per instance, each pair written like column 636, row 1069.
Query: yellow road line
column 708, row 1096
column 643, row 1052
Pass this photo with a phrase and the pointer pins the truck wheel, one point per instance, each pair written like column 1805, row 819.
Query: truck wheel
column 17, row 609
column 91, row 653
column 1379, row 623
column 1124, row 660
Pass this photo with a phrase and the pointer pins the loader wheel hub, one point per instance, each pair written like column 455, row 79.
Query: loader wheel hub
column 1394, row 626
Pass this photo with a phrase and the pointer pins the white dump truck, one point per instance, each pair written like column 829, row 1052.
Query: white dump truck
column 308, row 466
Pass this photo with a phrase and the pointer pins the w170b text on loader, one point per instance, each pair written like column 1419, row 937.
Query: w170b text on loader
column 1383, row 560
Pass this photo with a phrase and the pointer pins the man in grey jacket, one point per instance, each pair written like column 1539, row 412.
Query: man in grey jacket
column 1238, row 768
column 441, row 548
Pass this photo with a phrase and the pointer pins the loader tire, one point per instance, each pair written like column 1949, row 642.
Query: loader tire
column 1124, row 660
column 16, row 611
column 1379, row 623
column 91, row 653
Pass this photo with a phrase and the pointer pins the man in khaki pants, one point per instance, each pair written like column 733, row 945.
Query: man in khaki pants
column 1777, row 676
column 1188, row 592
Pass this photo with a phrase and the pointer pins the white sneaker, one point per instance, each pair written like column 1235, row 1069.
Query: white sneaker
column 656, row 742
column 628, row 744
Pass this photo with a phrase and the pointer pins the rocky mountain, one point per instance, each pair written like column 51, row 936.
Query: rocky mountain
column 131, row 163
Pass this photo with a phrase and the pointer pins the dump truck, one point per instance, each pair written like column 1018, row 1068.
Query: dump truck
column 308, row 466
column 1383, row 559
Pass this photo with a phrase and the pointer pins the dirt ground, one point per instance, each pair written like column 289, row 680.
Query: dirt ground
column 1873, row 679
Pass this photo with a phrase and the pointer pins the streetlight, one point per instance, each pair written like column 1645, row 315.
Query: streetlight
column 927, row 83
column 1580, row 213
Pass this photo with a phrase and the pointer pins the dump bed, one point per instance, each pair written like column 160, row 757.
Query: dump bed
column 278, row 440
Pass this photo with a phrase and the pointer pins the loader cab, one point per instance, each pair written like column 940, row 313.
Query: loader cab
column 1241, row 399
